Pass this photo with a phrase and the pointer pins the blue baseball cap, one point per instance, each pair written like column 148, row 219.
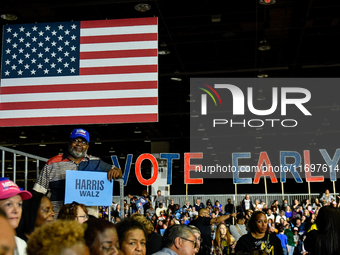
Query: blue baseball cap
column 79, row 132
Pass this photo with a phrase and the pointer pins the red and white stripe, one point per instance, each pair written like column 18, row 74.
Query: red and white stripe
column 117, row 82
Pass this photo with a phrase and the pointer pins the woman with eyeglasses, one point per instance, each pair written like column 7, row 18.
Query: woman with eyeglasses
column 35, row 213
column 132, row 237
column 224, row 242
column 101, row 237
column 73, row 211
column 258, row 237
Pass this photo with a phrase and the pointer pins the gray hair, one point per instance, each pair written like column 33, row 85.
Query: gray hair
column 194, row 229
column 175, row 231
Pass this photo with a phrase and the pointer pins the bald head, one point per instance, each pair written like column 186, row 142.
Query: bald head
column 203, row 212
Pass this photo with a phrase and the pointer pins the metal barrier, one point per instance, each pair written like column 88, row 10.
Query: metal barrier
column 30, row 158
column 236, row 199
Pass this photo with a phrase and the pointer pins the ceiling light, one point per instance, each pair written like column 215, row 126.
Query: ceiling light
column 262, row 75
column 137, row 131
column 216, row 18
column 147, row 141
column 9, row 16
column 142, row 7
column 176, row 77
column 112, row 151
column 267, row 2
column 98, row 143
column 264, row 45
column 42, row 145
column 164, row 52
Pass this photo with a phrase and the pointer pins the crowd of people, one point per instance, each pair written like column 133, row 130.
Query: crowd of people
column 38, row 223
column 300, row 228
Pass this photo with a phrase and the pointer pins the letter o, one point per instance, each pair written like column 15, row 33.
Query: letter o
column 289, row 120
column 139, row 172
column 262, row 123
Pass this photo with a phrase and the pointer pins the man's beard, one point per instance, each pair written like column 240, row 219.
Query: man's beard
column 76, row 154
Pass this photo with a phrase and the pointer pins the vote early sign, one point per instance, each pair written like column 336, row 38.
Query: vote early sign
column 89, row 188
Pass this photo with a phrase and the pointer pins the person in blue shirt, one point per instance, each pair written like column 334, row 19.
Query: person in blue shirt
column 284, row 240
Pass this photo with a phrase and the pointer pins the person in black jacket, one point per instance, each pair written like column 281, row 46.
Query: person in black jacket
column 258, row 238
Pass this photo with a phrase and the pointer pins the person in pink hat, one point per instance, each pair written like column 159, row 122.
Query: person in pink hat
column 11, row 197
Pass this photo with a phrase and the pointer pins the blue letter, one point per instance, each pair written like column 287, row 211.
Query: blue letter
column 169, row 157
column 236, row 168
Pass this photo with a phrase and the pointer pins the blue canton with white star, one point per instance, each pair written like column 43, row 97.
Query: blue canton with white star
column 40, row 50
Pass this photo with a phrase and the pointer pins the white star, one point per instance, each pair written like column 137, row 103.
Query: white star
column 21, row 50
column 60, row 59
column 40, row 44
column 41, row 33
column 60, row 38
column 14, row 67
column 46, row 60
column 34, row 50
column 19, row 72
column 33, row 60
column 8, row 40
column 7, row 73
column 20, row 61
column 46, row 71
column 73, row 37
column 47, row 38
column 53, row 54
column 40, row 55
column 47, row 49
column 27, row 66
column 67, row 43
column 66, row 54
column 15, row 34
column 60, row 48
column 33, row 71
column 47, row 28
column 73, row 59
column 53, row 65
column 35, row 28
column 53, row 43
column 7, row 62
column 73, row 48
column 72, row 70
column 21, row 29
column 34, row 39
column 40, row 66
column 28, row 34
column 14, row 45
column 9, row 30
column 73, row 26
column 66, row 64
column 67, row 32
column 60, row 27
column 8, row 51
column 21, row 40
column 28, row 45
column 14, row 56
column 59, row 70
column 27, row 55
column 54, row 32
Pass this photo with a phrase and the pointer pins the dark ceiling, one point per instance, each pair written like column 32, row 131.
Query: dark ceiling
column 205, row 39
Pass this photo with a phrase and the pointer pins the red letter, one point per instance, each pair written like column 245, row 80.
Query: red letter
column 188, row 167
column 138, row 169
column 309, row 177
column 264, row 158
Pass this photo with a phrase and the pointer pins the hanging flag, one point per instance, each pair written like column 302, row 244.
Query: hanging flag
column 84, row 72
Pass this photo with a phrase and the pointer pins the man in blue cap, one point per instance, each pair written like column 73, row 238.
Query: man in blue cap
column 51, row 181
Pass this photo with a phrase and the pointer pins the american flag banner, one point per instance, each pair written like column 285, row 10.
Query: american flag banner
column 83, row 72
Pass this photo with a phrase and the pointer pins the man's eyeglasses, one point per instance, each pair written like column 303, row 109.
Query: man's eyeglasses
column 76, row 140
column 194, row 242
